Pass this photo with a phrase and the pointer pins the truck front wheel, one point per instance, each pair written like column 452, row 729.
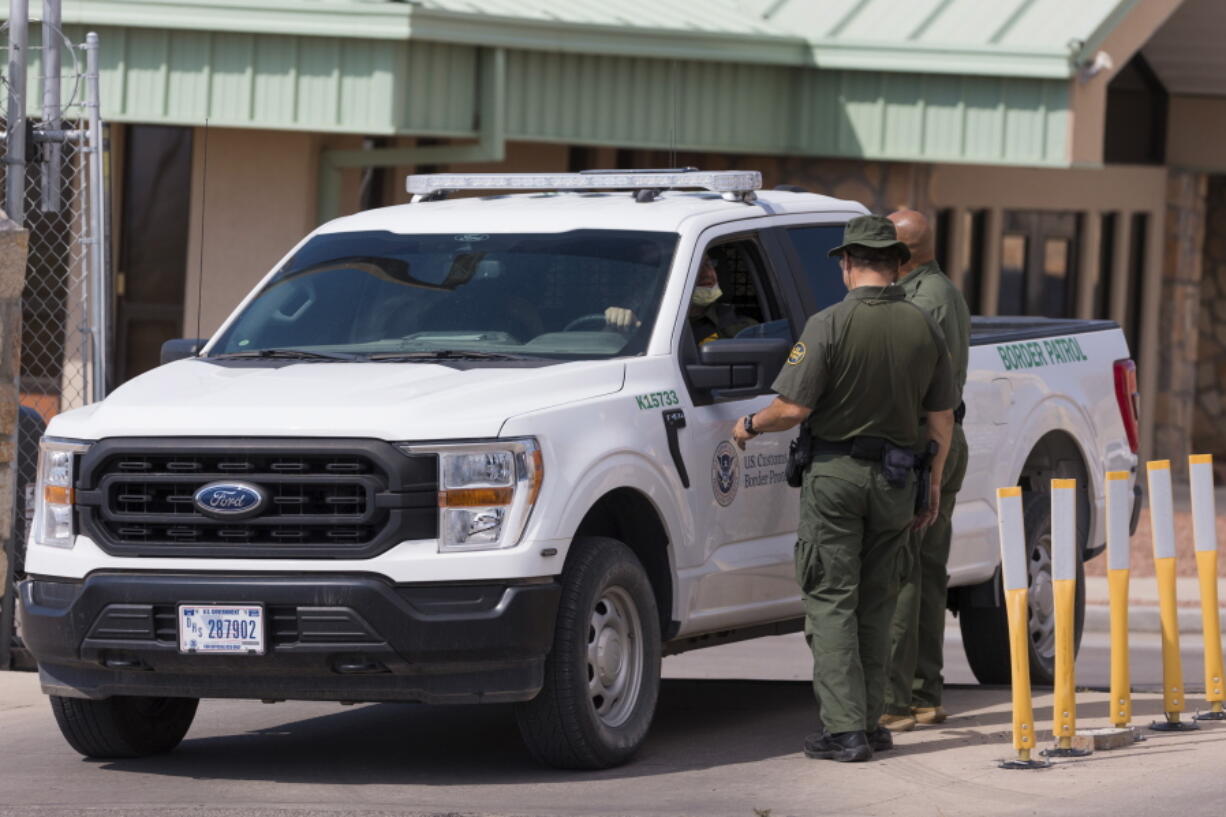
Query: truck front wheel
column 123, row 725
column 985, row 626
column 602, row 677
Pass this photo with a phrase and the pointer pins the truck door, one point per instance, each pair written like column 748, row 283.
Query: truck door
column 740, row 567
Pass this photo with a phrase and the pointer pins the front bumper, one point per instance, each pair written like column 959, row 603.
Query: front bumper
column 330, row 637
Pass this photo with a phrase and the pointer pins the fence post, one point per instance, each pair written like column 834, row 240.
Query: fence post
column 98, row 283
column 15, row 134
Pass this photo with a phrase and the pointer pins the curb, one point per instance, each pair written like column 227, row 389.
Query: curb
column 1144, row 619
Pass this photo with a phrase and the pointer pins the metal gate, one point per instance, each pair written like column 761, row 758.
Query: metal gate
column 54, row 183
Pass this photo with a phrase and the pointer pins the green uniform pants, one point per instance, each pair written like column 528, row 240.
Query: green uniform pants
column 917, row 635
column 853, row 527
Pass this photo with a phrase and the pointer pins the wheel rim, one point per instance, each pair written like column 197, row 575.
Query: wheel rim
column 614, row 656
column 1042, row 624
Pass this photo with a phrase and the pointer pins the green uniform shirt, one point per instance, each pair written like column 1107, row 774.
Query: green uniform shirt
column 871, row 365
column 929, row 289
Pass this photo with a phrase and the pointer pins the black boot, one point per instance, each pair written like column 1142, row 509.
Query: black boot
column 845, row 747
column 881, row 739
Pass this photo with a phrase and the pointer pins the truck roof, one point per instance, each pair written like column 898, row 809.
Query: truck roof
column 549, row 212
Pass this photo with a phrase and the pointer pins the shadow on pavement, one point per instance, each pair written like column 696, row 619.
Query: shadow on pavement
column 699, row 724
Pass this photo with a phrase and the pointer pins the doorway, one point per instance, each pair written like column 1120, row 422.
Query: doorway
column 151, row 278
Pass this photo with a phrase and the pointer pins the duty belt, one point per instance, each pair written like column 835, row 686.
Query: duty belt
column 862, row 448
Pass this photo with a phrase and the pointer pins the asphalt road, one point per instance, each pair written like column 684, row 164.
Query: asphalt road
column 719, row 747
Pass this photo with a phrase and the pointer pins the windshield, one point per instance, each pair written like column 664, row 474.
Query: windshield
column 382, row 295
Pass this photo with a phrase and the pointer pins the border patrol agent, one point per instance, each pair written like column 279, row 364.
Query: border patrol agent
column 913, row 692
column 864, row 371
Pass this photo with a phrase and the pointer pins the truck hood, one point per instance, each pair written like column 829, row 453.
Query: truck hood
column 389, row 401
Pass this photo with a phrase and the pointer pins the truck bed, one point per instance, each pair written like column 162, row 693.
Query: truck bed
column 1009, row 328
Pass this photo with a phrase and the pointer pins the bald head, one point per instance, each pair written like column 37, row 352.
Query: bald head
column 914, row 230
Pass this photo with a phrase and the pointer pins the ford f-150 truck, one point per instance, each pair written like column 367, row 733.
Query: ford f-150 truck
column 422, row 462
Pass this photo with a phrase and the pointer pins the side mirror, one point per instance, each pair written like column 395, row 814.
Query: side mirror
column 737, row 368
column 181, row 348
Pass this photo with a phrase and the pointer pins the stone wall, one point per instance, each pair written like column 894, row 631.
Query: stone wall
column 1179, row 318
column 13, row 243
column 1209, row 427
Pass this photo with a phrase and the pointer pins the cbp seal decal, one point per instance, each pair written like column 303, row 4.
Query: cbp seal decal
column 725, row 473
column 797, row 354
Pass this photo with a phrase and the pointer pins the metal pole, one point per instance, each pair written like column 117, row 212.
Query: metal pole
column 1204, row 531
column 15, row 143
column 1118, row 566
column 53, row 152
column 99, row 291
column 1014, row 579
column 1064, row 588
column 1162, row 523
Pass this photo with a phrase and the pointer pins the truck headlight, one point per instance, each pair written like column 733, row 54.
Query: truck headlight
column 53, row 497
column 486, row 491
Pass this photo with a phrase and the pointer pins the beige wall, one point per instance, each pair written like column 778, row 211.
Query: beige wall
column 1195, row 125
column 260, row 195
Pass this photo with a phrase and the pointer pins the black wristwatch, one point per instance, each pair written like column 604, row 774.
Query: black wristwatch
column 748, row 424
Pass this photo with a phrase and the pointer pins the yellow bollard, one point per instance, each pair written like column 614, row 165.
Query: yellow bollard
column 1118, row 562
column 1162, row 520
column 1204, row 534
column 1064, row 589
column 1014, row 576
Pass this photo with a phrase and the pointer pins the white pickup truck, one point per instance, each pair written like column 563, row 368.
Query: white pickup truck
column 418, row 463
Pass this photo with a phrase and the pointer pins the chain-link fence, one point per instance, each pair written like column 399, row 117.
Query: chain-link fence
column 59, row 302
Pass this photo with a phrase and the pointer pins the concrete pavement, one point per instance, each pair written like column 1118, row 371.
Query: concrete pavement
column 1143, row 604
column 720, row 746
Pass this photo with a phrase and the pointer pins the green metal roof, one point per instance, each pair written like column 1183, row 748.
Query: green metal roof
column 1021, row 38
column 936, row 80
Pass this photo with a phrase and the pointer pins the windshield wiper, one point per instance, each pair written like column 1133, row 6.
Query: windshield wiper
column 447, row 354
column 286, row 354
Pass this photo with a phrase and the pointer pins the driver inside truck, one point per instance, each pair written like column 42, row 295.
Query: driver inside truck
column 709, row 319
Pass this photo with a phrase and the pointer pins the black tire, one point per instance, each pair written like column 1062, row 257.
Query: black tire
column 123, row 726
column 985, row 629
column 571, row 723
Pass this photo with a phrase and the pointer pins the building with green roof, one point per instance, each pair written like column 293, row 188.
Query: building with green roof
column 1066, row 149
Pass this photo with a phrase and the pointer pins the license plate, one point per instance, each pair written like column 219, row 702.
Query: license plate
column 221, row 628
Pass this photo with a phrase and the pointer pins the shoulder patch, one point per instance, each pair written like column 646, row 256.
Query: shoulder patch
column 797, row 354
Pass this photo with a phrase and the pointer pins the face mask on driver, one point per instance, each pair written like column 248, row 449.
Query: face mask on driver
column 705, row 296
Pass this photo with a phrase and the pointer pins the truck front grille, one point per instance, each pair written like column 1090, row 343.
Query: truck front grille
column 325, row 498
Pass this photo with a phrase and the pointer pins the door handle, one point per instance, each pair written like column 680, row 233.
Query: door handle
column 674, row 421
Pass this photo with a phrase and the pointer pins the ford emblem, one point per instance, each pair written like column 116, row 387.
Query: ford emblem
column 230, row 500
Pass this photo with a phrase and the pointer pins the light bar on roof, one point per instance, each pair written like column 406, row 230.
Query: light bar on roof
column 719, row 181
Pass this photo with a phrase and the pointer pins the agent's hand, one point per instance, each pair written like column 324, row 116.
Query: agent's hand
column 929, row 516
column 739, row 435
column 621, row 319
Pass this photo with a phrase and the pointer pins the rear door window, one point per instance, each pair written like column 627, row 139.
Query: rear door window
column 821, row 279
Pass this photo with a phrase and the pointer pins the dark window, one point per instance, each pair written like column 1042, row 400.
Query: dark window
column 1136, row 275
column 822, row 275
column 1038, row 264
column 1135, row 131
column 1106, row 266
column 1012, row 275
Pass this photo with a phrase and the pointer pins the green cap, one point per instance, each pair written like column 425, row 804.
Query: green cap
column 872, row 231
